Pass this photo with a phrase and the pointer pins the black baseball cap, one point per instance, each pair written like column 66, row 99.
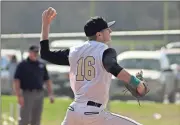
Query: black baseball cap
column 96, row 24
column 34, row 48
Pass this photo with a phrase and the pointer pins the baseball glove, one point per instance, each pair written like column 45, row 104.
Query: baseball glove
column 133, row 89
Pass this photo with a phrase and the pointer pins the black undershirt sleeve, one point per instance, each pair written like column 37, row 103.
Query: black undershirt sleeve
column 110, row 62
column 56, row 57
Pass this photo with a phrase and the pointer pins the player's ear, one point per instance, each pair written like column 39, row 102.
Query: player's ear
column 98, row 34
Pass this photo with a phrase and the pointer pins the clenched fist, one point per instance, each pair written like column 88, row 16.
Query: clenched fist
column 48, row 15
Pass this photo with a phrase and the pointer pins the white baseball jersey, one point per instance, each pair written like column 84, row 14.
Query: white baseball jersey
column 88, row 78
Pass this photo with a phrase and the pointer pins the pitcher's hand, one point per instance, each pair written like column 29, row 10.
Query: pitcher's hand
column 48, row 15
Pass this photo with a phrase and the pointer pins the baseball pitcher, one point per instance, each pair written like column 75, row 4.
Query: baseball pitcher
column 92, row 65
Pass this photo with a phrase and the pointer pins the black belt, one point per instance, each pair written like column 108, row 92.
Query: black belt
column 91, row 103
column 33, row 90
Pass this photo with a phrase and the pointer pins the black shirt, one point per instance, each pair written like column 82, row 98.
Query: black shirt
column 61, row 57
column 31, row 74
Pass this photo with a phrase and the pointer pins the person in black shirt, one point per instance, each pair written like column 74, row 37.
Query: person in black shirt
column 29, row 78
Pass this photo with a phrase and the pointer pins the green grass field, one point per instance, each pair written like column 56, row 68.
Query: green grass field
column 53, row 114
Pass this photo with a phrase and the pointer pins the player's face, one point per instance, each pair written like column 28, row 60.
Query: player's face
column 33, row 55
column 107, row 35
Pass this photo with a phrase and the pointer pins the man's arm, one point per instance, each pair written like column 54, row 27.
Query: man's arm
column 56, row 57
column 48, row 82
column 17, row 80
column 50, row 92
column 17, row 88
column 17, row 84
column 49, row 87
column 111, row 65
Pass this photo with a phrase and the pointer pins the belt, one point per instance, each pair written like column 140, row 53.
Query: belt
column 33, row 90
column 91, row 103
column 85, row 113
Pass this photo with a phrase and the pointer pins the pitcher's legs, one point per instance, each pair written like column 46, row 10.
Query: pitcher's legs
column 96, row 118
column 115, row 119
column 107, row 118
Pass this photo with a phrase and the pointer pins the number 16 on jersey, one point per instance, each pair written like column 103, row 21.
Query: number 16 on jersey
column 85, row 68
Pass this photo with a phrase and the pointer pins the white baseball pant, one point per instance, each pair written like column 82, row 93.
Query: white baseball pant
column 87, row 115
